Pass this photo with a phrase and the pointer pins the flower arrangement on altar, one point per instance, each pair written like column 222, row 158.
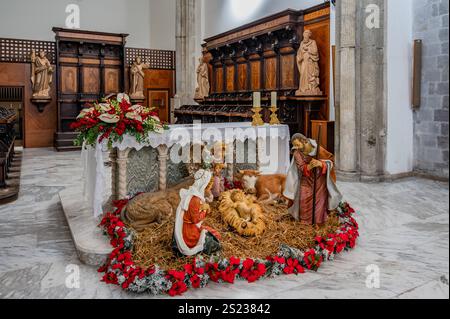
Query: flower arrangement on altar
column 114, row 117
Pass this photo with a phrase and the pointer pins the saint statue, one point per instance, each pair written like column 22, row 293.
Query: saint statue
column 137, row 76
column 308, row 66
column 202, row 90
column 190, row 236
column 41, row 75
column 299, row 189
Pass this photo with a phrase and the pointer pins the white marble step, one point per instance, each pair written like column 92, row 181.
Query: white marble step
column 92, row 246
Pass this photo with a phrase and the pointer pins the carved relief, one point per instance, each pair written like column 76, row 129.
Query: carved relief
column 90, row 80
column 69, row 80
column 112, row 81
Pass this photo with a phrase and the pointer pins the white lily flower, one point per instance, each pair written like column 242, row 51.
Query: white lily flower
column 109, row 118
column 137, row 108
column 159, row 129
column 123, row 96
column 133, row 116
column 105, row 107
column 85, row 112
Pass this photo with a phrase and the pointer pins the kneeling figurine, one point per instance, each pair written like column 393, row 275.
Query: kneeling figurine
column 190, row 236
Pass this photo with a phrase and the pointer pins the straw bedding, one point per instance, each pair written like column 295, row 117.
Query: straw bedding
column 153, row 245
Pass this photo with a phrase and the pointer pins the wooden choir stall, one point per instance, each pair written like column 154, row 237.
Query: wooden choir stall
column 262, row 56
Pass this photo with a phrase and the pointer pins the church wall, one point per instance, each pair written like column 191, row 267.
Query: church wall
column 150, row 23
column 431, row 151
column 234, row 13
column 399, row 148
column 162, row 24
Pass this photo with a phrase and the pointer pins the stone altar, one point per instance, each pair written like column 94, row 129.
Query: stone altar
column 150, row 167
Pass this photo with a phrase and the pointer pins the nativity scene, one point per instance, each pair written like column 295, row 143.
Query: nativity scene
column 201, row 143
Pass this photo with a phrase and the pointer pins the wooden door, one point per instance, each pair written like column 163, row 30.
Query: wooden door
column 159, row 99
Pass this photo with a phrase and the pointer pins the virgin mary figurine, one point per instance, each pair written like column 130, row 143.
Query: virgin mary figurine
column 190, row 236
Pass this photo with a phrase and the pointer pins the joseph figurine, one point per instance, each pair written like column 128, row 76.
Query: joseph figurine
column 308, row 66
column 299, row 188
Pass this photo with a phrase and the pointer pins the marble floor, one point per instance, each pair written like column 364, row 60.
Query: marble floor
column 404, row 230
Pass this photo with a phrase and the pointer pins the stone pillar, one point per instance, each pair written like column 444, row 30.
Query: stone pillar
column 188, row 49
column 121, row 176
column 346, row 115
column 113, row 159
column 360, row 111
column 372, row 94
column 163, row 156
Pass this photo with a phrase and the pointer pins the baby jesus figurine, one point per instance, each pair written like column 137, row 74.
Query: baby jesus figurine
column 305, row 167
column 190, row 236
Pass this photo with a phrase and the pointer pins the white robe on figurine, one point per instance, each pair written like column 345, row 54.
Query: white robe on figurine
column 293, row 182
column 202, row 179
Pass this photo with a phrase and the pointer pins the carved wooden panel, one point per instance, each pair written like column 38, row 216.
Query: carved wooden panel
column 230, row 78
column 159, row 99
column 219, row 80
column 69, row 80
column 242, row 77
column 255, row 67
column 112, row 81
column 270, row 73
column 288, row 69
column 91, row 83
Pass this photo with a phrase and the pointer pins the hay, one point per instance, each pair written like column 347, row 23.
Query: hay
column 153, row 245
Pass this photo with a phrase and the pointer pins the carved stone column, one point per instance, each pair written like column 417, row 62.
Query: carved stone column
column 113, row 159
column 360, row 102
column 348, row 141
column 121, row 175
column 163, row 156
column 188, row 49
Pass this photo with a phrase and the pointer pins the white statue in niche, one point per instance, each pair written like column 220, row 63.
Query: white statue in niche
column 308, row 66
column 137, row 76
column 41, row 75
column 202, row 90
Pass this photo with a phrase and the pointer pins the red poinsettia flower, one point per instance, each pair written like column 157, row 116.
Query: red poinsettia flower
column 195, row 281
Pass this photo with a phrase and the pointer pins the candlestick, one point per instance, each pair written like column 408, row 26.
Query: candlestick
column 256, row 99
column 274, row 99
column 273, row 117
column 257, row 119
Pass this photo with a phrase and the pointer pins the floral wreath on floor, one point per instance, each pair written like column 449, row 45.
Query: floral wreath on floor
column 121, row 270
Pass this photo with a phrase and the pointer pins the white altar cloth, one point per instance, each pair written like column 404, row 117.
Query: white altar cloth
column 274, row 140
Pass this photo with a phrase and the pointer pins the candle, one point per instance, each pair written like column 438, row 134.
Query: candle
column 256, row 99
column 274, row 99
